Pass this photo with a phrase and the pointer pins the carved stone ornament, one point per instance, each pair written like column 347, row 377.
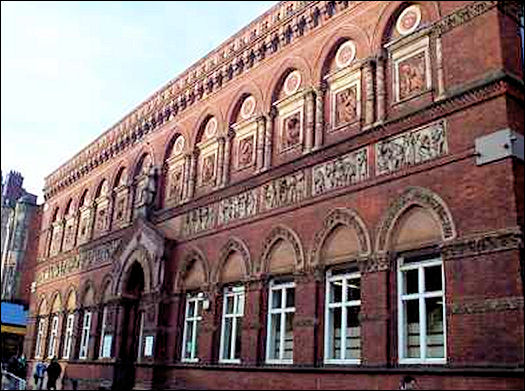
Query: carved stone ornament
column 281, row 232
column 345, row 54
column 409, row 20
column 344, row 171
column 198, row 220
column 410, row 148
column 178, row 147
column 292, row 83
column 248, row 107
column 284, row 191
column 237, row 207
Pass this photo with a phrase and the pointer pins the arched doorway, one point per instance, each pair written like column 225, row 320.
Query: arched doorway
column 130, row 328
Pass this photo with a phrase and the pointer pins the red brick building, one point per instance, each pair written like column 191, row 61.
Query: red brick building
column 331, row 199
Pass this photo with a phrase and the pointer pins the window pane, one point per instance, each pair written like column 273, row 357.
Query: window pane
column 238, row 338
column 433, row 278
column 275, row 336
column 288, row 336
column 276, row 298
column 240, row 304
column 412, row 338
column 353, row 333
column 227, row 338
column 411, row 281
column 353, row 289
column 290, row 297
column 435, row 335
column 189, row 339
column 191, row 309
column 229, row 304
column 334, row 333
column 336, row 291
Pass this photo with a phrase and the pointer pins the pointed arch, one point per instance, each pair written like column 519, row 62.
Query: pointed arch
column 68, row 210
column 88, row 293
column 141, row 256
column 288, row 65
column 338, row 217
column 170, row 142
column 102, row 188
column 56, row 302
column 140, row 159
column 193, row 256
column 71, row 302
column 106, row 289
column 43, row 307
column 288, row 236
column 415, row 196
column 233, row 245
column 118, row 176
column 84, row 199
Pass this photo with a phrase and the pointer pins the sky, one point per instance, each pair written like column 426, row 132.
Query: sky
column 71, row 70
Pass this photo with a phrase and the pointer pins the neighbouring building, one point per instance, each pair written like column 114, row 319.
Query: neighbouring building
column 331, row 199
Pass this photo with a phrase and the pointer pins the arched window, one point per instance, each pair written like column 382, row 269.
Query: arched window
column 101, row 209
column 175, row 167
column 68, row 330
column 84, row 229
column 121, row 191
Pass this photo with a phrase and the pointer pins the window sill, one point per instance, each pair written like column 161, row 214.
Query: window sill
column 415, row 361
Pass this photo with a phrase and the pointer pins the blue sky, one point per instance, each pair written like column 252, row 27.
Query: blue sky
column 70, row 70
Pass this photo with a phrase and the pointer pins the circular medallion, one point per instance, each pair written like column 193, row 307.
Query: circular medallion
column 248, row 107
column 178, row 146
column 292, row 83
column 409, row 20
column 345, row 54
column 211, row 128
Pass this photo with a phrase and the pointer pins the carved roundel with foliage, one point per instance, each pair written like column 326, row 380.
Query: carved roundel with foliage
column 345, row 54
column 409, row 20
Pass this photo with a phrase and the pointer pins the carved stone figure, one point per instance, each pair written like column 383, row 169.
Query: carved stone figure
column 291, row 131
column 346, row 106
column 284, row 191
column 208, row 169
column 412, row 76
column 246, row 147
column 238, row 207
column 175, row 185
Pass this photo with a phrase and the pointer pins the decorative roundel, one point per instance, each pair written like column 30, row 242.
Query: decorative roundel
column 248, row 107
column 345, row 54
column 211, row 128
column 292, row 82
column 409, row 20
column 178, row 146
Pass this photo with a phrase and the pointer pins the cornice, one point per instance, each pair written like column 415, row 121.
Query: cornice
column 280, row 26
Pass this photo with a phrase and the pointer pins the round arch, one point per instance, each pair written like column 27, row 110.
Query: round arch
column 286, row 234
column 206, row 113
column 192, row 256
column 248, row 88
column 232, row 245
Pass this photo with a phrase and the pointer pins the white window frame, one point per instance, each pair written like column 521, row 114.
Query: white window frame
column 70, row 322
column 84, row 340
column 344, row 305
column 141, row 336
column 53, row 337
column 237, row 293
column 283, row 310
column 40, row 338
column 193, row 322
column 421, row 296
column 103, row 334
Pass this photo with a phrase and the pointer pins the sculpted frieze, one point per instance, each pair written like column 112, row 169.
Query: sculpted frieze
column 284, row 191
column 238, row 207
column 411, row 148
column 198, row 220
column 344, row 171
column 81, row 261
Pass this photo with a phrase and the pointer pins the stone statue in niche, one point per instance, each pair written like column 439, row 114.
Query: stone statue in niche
column 246, row 147
column 411, row 148
column 346, row 106
column 412, row 76
column 291, row 131
column 175, row 189
column 208, row 170
column 343, row 171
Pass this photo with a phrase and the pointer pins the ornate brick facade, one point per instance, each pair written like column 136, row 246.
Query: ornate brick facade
column 325, row 139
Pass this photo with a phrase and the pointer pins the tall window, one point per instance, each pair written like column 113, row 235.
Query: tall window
column 279, row 346
column 191, row 327
column 421, row 306
column 84, row 340
column 232, row 313
column 342, row 326
column 53, row 337
column 40, row 338
column 106, row 339
column 69, row 335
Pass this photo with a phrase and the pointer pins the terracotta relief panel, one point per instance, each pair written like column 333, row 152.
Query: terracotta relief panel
column 208, row 169
column 410, row 148
column 246, row 151
column 174, row 185
column 284, row 191
column 291, row 131
column 412, row 77
column 199, row 220
column 344, row 171
column 238, row 207
column 346, row 106
column 69, row 235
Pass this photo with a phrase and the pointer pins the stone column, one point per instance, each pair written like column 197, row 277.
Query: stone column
column 192, row 176
column 251, row 325
column 369, row 90
column 268, row 138
column 305, row 320
column 220, row 161
column 186, row 176
column 374, row 312
column 310, row 108
column 261, row 131
column 439, row 66
column 227, row 158
column 118, row 333
column 380, row 87
column 319, row 115
column 92, row 222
